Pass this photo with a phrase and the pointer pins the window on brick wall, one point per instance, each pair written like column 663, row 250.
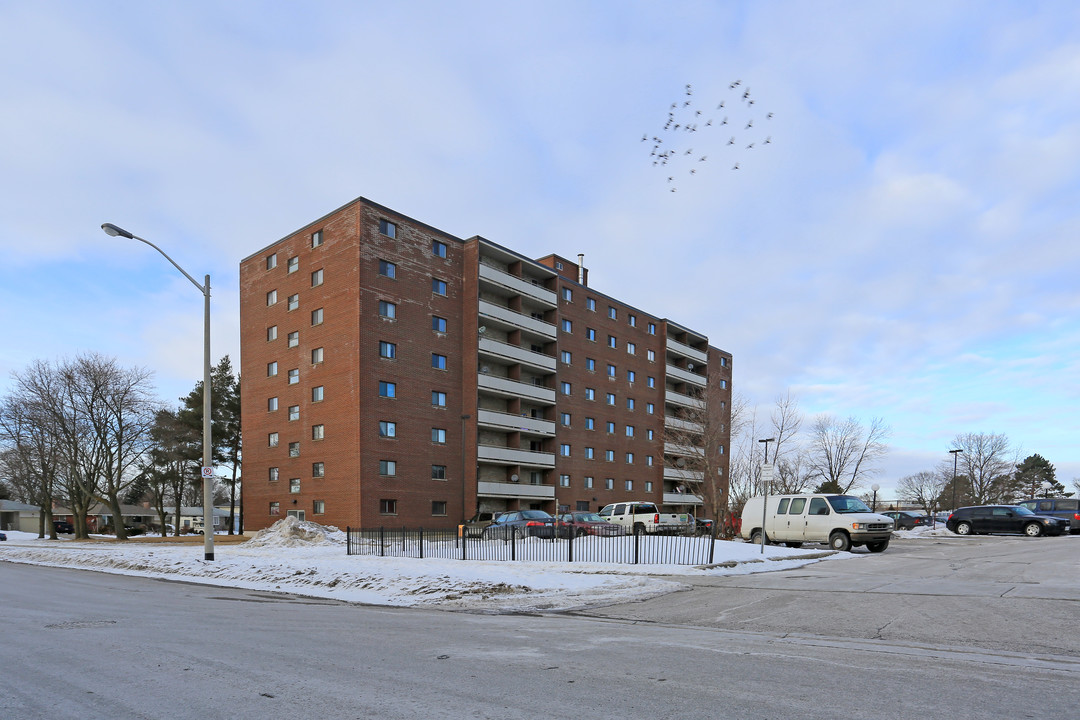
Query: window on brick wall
column 438, row 436
column 275, row 508
column 317, row 393
column 318, row 432
column 294, row 449
column 438, row 361
column 317, row 278
column 293, row 265
column 388, row 228
column 388, row 468
column 272, row 439
column 387, row 349
column 438, row 286
column 438, row 508
column 271, row 404
column 388, row 507
column 294, row 338
column 316, row 238
column 271, row 333
column 318, row 507
column 438, row 472
column 387, row 389
column 438, row 324
column 294, row 301
column 271, row 261
column 318, row 470
column 271, row 369
column 316, row 355
column 387, row 269
column 387, row 429
column 438, row 398
column 271, row 297
column 387, row 309
column 317, row 316
column 273, row 474
column 438, row 249
column 294, row 412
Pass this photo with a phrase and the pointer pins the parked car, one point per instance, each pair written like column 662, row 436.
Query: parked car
column 645, row 517
column 474, row 526
column 3, row 536
column 1068, row 508
column 63, row 527
column 1004, row 519
column 525, row 523
column 907, row 520
column 701, row 526
column 577, row 524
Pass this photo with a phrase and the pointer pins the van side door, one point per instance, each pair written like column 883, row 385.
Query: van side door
column 818, row 521
column 796, row 518
column 779, row 524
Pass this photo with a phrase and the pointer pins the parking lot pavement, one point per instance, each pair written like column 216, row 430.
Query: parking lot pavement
column 997, row 593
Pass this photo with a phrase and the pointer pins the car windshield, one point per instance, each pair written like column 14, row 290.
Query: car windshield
column 847, row 504
column 588, row 517
column 1021, row 510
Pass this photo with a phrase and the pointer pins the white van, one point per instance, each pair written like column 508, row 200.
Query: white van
column 842, row 521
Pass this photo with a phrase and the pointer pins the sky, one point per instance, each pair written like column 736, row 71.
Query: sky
column 901, row 247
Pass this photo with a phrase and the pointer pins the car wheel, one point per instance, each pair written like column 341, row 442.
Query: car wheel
column 876, row 547
column 755, row 538
column 840, row 541
column 963, row 528
column 639, row 529
column 1033, row 529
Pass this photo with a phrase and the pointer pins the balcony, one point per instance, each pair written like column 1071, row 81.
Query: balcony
column 680, row 475
column 685, row 376
column 518, row 286
column 508, row 422
column 516, row 319
column 684, row 450
column 671, row 498
column 675, row 398
column 515, row 490
column 686, row 351
column 680, row 424
column 514, row 354
column 512, row 388
column 512, row 456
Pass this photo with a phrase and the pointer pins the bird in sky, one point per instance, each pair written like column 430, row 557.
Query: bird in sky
column 736, row 166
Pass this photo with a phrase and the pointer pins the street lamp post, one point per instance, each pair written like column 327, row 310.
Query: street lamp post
column 955, row 453
column 207, row 460
column 875, row 487
column 765, row 487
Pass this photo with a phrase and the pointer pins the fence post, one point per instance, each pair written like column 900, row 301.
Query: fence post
column 348, row 540
column 570, row 545
column 712, row 544
column 513, row 543
column 382, row 541
column 464, row 541
column 421, row 543
column 637, row 541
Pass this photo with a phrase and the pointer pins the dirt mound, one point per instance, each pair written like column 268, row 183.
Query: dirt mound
column 290, row 532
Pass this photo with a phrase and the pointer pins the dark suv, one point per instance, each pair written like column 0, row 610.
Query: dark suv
column 63, row 527
column 1004, row 519
column 1068, row 508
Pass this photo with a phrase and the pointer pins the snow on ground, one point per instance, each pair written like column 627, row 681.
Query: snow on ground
column 305, row 558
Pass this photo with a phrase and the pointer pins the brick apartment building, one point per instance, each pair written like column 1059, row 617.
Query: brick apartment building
column 394, row 374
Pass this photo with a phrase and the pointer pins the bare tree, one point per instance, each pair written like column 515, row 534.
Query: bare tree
column 842, row 453
column 699, row 438
column 987, row 462
column 923, row 489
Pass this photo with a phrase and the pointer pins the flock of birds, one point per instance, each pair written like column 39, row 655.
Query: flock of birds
column 736, row 116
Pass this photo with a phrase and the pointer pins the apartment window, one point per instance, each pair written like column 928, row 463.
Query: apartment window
column 438, row 399
column 294, row 413
column 558, row 265
column 611, row 398
column 316, row 238
column 271, row 297
column 388, row 507
column 610, row 426
column 590, row 453
column 629, row 431
column 631, row 376
column 317, row 316
column 650, row 381
column 318, row 470
column 294, row 338
column 294, row 376
column 387, row 389
column 438, row 508
column 438, row 436
column 318, row 507
column 438, row 361
column 317, row 393
column 294, row 449
column 438, row 286
column 628, row 485
column 564, row 481
column 271, row 369
column 590, row 304
column 612, row 313
column 590, row 334
column 651, row 355
column 274, row 474
column 567, row 326
column 317, row 278
column 564, row 450
column 388, row 468
column 610, row 370
column 438, row 324
column 271, row 333
column 565, row 356
column 567, row 294
column 387, row 349
column 316, row 356
column 388, row 228
column 271, row 404
column 648, row 460
column 652, row 328
column 438, row 249
column 723, row 362
column 590, row 364
column 292, row 265
column 720, row 450
column 275, row 508
column 612, row 342
column 387, row 269
column 271, row 261
column 567, row 387
column 294, row 485
column 294, row 301
column 631, row 348
column 723, row 384
column 632, row 319
column 387, row 309
column 629, row 459
column 318, row 432
column 590, row 394
column 387, row 428
column 590, row 423
column 588, row 482
column 564, row 418
column 609, row 455
column 649, row 434
column 630, row 403
column 609, row 483
column 650, row 408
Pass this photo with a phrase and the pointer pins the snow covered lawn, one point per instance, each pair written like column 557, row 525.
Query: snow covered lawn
column 305, row 558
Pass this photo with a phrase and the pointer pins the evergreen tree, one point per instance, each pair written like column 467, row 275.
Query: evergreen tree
column 1032, row 473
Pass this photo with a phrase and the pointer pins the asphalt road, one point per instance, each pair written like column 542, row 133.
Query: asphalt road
column 79, row 644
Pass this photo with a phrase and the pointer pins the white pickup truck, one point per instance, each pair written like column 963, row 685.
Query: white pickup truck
column 639, row 517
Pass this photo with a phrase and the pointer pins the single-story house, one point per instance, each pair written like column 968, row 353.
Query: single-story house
column 19, row 516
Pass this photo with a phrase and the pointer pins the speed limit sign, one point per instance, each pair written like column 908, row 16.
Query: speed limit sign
column 208, row 472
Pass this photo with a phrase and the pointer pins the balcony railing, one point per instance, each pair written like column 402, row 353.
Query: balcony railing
column 515, row 423
column 512, row 456
column 682, row 499
column 686, row 351
column 515, row 354
column 514, row 490
column 512, row 388
column 680, row 424
column 517, row 285
column 671, row 448
column 685, row 375
column 676, row 398
column 680, row 475
column 516, row 319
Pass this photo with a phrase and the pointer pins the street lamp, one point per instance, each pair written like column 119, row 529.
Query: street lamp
column 875, row 487
column 207, row 462
column 955, row 453
column 765, row 486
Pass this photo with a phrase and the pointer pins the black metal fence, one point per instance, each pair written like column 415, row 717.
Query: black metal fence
column 637, row 549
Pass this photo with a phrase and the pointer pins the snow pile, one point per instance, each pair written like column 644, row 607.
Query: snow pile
column 290, row 532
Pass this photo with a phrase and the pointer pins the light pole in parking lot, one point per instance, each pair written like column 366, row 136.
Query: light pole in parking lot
column 955, row 453
column 875, row 487
column 766, row 478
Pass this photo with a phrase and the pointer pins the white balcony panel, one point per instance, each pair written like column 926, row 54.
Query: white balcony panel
column 515, row 423
column 513, row 388
column 682, row 499
column 514, row 490
column 680, row 424
column 685, row 450
column 515, row 354
column 685, row 375
column 516, row 319
column 513, row 456
column 516, row 284
column 679, row 475
column 686, row 351
column 679, row 399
